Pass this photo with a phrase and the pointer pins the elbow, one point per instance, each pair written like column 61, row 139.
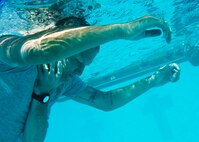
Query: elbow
column 108, row 104
column 108, row 108
column 33, row 53
column 44, row 51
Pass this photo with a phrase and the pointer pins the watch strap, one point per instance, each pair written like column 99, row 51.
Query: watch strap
column 43, row 98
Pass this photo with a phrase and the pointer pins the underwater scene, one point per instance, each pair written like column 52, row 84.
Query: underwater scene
column 167, row 113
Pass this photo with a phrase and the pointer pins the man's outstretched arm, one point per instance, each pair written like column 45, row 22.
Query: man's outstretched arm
column 63, row 44
column 116, row 98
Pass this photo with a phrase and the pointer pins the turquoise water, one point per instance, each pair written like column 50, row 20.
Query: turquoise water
column 165, row 114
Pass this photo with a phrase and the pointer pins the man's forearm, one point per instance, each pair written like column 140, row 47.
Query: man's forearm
column 63, row 44
column 37, row 123
column 165, row 74
column 66, row 43
column 122, row 96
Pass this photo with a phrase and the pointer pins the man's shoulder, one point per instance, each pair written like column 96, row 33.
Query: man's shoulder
column 7, row 41
column 73, row 86
column 7, row 38
column 70, row 83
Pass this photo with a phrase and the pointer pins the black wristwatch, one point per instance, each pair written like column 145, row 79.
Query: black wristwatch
column 44, row 98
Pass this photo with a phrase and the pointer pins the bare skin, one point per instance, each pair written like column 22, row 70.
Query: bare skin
column 53, row 75
column 68, row 47
column 58, row 73
column 46, row 48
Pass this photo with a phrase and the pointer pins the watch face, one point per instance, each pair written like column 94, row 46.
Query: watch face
column 46, row 99
column 43, row 98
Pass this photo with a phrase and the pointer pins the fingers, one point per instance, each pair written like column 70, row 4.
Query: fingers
column 56, row 70
column 166, row 31
column 175, row 72
column 49, row 76
column 59, row 69
column 163, row 25
column 52, row 70
column 153, row 33
column 43, row 69
column 170, row 72
column 43, row 72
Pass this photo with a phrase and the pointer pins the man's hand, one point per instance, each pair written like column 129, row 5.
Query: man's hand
column 141, row 28
column 37, row 121
column 48, row 77
column 167, row 73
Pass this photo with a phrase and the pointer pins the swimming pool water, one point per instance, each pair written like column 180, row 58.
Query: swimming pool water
column 165, row 114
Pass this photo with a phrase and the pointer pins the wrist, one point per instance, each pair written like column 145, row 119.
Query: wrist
column 151, row 81
column 42, row 98
column 117, row 31
column 122, row 30
column 130, row 30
